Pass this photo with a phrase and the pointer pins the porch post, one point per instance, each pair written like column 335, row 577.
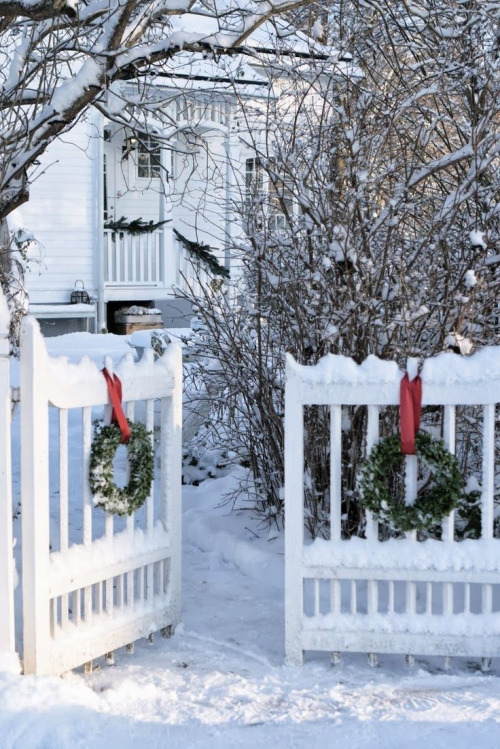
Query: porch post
column 165, row 212
column 228, row 213
column 98, row 214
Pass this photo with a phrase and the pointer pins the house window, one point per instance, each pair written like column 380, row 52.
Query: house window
column 281, row 200
column 254, row 181
column 148, row 158
column 267, row 196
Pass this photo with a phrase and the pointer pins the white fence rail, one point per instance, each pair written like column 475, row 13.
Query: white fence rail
column 400, row 595
column 91, row 582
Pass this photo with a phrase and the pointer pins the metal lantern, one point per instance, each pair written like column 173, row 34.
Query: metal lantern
column 79, row 295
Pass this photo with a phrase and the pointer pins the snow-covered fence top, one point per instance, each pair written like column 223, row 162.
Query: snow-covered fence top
column 402, row 595
column 448, row 379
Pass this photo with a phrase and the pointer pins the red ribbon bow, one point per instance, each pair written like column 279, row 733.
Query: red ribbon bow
column 115, row 396
column 410, row 409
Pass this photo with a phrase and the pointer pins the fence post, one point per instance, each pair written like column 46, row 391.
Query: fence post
column 7, row 642
column 35, row 498
column 171, row 465
column 294, row 519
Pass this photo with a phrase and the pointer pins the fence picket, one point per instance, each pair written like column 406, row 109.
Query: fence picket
column 354, row 597
column 488, row 471
column 372, row 602
column 335, row 472
column 86, row 493
column 109, row 596
column 316, row 597
column 149, row 501
column 428, row 598
column 35, row 497
column 372, row 436
column 486, row 598
column 335, row 596
column 467, row 598
column 449, row 427
column 63, row 479
column 294, row 539
column 390, row 600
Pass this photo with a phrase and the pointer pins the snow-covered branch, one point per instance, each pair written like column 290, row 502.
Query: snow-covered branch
column 372, row 227
column 38, row 10
column 59, row 57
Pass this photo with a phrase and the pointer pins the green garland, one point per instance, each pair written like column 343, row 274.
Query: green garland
column 140, row 455
column 136, row 226
column 204, row 253
column 435, row 500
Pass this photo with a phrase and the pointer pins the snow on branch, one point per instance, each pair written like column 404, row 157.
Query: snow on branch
column 38, row 10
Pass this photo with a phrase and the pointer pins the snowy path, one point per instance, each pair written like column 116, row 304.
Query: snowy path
column 220, row 682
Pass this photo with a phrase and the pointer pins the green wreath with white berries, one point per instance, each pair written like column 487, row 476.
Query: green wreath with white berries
column 107, row 495
column 435, row 500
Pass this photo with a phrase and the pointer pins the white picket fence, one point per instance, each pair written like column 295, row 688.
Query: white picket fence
column 91, row 582
column 400, row 595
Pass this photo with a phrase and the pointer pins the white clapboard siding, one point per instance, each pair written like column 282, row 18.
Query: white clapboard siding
column 60, row 213
column 401, row 595
column 118, row 579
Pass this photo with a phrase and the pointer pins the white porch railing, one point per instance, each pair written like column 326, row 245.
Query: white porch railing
column 133, row 259
column 190, row 274
column 145, row 260
column 401, row 595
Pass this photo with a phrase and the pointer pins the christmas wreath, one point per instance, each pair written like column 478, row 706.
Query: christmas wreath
column 113, row 499
column 440, row 494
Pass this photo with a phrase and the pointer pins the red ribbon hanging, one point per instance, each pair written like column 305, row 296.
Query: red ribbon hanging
column 410, row 409
column 115, row 396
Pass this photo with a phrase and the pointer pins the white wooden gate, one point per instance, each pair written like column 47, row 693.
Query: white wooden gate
column 401, row 595
column 93, row 582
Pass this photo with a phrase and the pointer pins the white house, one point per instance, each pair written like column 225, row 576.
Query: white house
column 180, row 168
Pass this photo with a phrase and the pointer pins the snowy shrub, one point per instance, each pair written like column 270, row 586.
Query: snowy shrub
column 371, row 227
column 15, row 248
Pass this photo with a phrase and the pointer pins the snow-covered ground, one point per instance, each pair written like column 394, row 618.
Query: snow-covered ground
column 220, row 681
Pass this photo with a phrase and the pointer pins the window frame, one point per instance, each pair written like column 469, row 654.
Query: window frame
column 261, row 191
column 148, row 157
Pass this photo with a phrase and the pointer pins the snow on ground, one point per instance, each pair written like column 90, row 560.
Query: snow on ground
column 220, row 681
